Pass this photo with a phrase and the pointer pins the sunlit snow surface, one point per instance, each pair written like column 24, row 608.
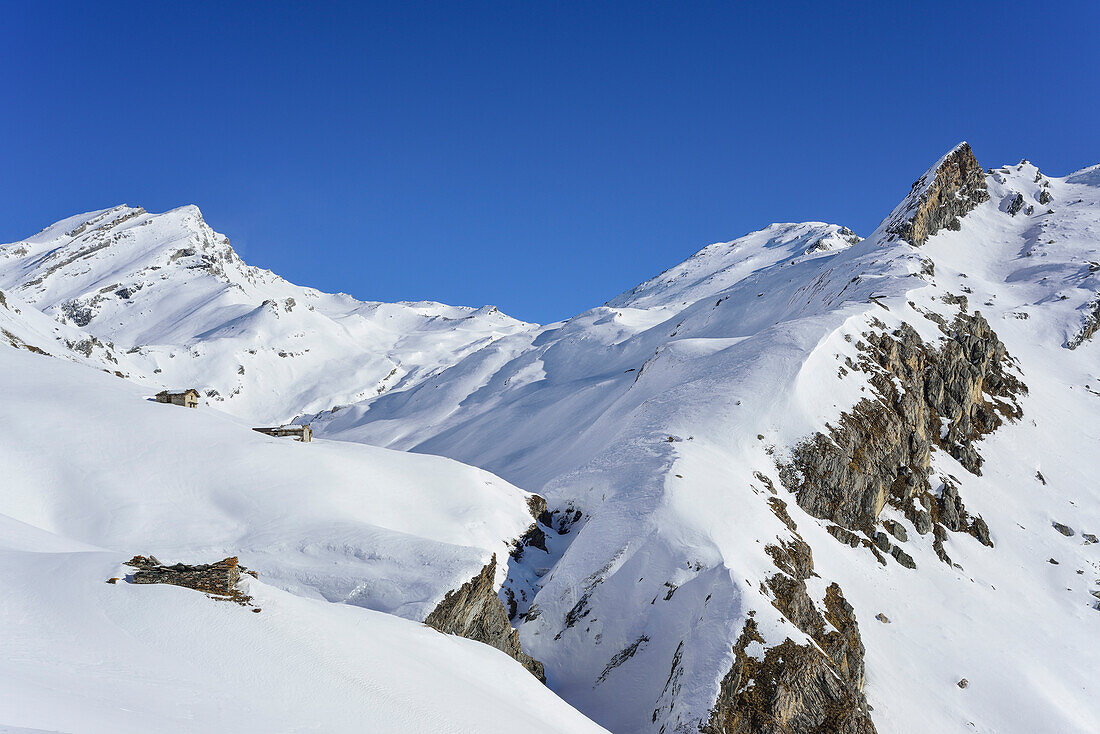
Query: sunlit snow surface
column 185, row 310
column 743, row 341
column 94, row 472
column 651, row 415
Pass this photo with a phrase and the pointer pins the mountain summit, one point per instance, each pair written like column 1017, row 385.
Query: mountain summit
column 190, row 311
column 802, row 482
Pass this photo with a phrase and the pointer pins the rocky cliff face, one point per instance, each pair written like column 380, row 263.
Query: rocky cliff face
column 796, row 688
column 881, row 451
column 474, row 611
column 927, row 396
column 946, row 395
column 939, row 198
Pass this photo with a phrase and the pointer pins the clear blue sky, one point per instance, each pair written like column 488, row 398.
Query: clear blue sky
column 541, row 157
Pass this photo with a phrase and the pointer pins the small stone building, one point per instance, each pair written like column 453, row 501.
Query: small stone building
column 187, row 398
column 301, row 433
column 213, row 578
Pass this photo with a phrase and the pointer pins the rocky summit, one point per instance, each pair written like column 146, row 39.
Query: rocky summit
column 806, row 481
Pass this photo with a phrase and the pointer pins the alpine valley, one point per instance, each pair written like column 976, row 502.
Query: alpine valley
column 804, row 482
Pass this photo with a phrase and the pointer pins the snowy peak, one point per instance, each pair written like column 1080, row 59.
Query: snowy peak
column 175, row 297
column 721, row 265
column 1057, row 255
column 89, row 267
column 948, row 190
column 663, row 432
column 1090, row 176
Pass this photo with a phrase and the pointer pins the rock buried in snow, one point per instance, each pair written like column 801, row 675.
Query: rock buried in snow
column 902, row 557
column 963, row 683
column 1065, row 530
column 882, row 618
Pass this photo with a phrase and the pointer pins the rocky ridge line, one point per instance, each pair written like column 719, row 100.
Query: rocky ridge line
column 939, row 198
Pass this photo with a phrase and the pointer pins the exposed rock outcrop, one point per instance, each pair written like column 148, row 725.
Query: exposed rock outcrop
column 796, row 688
column 880, row 451
column 793, row 690
column 1015, row 204
column 940, row 197
column 219, row 579
column 534, row 536
column 18, row 343
column 1089, row 326
column 474, row 611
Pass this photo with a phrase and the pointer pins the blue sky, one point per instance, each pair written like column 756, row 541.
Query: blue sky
column 541, row 157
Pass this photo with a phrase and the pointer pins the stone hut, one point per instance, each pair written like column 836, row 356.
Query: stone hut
column 213, row 578
column 301, row 433
column 188, row 398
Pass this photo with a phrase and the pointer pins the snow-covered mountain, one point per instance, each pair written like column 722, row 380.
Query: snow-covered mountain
column 354, row 546
column 703, row 434
column 172, row 296
column 802, row 482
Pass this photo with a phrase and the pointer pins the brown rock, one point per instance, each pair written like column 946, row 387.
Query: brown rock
column 474, row 611
column 795, row 689
column 880, row 451
column 957, row 186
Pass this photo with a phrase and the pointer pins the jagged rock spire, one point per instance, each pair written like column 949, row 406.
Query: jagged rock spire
column 947, row 191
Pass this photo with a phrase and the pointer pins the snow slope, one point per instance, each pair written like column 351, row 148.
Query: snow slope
column 660, row 416
column 172, row 294
column 94, row 472
column 24, row 327
column 83, row 656
column 723, row 264
column 654, row 425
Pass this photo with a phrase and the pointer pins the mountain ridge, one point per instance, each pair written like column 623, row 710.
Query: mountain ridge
column 767, row 470
column 186, row 309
